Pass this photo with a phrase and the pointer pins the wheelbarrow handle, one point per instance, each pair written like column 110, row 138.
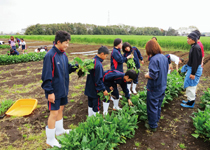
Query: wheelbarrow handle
column 1, row 117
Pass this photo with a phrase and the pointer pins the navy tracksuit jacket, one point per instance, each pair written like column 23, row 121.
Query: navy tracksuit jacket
column 55, row 73
column 169, row 58
column 94, row 83
column 158, row 70
column 137, row 56
column 117, row 60
column 112, row 78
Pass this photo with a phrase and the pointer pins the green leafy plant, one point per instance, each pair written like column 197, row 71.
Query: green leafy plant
column 4, row 105
column 205, row 99
column 102, row 97
column 131, row 65
column 84, row 66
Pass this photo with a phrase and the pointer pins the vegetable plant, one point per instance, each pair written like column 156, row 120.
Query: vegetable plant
column 4, row 105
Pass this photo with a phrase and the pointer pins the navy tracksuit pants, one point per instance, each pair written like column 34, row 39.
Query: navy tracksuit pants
column 154, row 102
column 94, row 103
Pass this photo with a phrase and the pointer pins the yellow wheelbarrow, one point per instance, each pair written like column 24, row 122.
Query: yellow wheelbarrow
column 21, row 107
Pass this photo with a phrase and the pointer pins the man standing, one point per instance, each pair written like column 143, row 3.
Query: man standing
column 193, row 69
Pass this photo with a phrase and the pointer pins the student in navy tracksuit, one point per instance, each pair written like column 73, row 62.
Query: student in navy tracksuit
column 55, row 77
column 113, row 77
column 157, row 81
column 94, row 82
column 13, row 52
column 127, row 49
column 117, row 59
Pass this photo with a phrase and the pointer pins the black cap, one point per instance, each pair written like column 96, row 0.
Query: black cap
column 117, row 41
column 198, row 33
column 193, row 36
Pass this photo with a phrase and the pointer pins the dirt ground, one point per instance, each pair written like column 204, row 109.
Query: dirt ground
column 23, row 80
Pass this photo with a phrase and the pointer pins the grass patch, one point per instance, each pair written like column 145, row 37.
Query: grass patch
column 4, row 105
column 74, row 94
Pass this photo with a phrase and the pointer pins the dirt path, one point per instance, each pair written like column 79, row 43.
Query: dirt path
column 24, row 81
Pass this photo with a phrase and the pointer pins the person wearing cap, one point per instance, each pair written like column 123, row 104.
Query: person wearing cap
column 117, row 59
column 193, row 69
column 200, row 44
column 94, row 82
column 177, row 60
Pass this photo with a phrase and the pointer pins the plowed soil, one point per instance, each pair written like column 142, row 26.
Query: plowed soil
column 24, row 81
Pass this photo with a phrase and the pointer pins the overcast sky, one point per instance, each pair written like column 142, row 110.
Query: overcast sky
column 19, row 14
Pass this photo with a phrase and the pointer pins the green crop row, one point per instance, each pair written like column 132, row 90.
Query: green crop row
column 14, row 59
column 7, row 46
column 169, row 42
column 201, row 119
column 174, row 85
column 4, row 105
column 106, row 133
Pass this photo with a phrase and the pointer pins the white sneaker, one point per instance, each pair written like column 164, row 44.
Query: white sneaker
column 59, row 128
column 51, row 140
column 116, row 103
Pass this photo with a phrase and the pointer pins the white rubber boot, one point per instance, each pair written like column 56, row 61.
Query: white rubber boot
column 105, row 108
column 169, row 71
column 59, row 128
column 116, row 103
column 90, row 111
column 129, row 88
column 94, row 113
column 51, row 140
column 134, row 88
column 111, row 98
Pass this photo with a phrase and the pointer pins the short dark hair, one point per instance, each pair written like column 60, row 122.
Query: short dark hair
column 131, row 74
column 181, row 59
column 62, row 36
column 154, row 37
column 126, row 44
column 103, row 49
column 22, row 39
column 11, row 50
column 117, row 41
column 152, row 48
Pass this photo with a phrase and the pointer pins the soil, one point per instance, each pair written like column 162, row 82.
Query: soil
column 24, row 81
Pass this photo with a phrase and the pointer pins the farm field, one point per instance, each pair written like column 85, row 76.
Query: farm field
column 24, row 81
column 169, row 42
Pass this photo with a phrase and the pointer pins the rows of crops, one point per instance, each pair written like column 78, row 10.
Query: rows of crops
column 170, row 42
column 106, row 133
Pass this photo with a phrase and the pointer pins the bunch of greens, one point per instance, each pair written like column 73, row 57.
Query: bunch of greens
column 131, row 65
column 84, row 66
column 102, row 97
column 205, row 99
column 4, row 105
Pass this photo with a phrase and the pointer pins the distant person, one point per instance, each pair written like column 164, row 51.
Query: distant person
column 200, row 44
column 193, row 70
column 12, row 42
column 13, row 52
column 154, row 38
column 42, row 49
column 18, row 41
column 23, row 45
column 45, row 47
column 1, row 42
column 177, row 60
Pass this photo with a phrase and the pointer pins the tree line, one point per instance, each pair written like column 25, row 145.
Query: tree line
column 91, row 29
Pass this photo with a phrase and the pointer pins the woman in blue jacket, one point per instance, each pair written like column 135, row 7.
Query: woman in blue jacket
column 156, row 85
